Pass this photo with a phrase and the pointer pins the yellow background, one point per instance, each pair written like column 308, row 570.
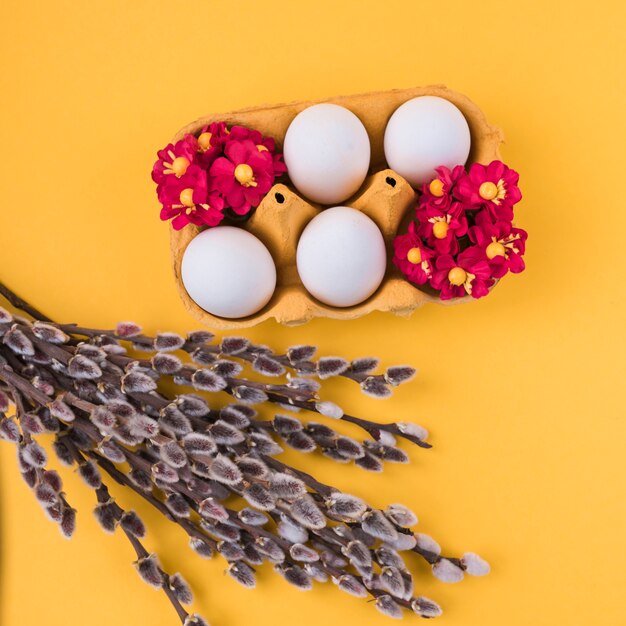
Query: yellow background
column 520, row 390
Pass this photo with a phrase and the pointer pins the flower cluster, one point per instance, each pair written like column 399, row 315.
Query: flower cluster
column 200, row 178
column 463, row 238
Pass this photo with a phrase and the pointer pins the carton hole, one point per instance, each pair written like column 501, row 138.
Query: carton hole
column 279, row 197
column 390, row 181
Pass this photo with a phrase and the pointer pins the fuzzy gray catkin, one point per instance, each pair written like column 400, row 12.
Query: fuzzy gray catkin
column 97, row 393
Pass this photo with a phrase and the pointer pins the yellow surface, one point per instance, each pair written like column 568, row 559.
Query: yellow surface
column 520, row 390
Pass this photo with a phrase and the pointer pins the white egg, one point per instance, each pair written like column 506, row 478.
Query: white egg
column 341, row 257
column 228, row 272
column 423, row 134
column 327, row 153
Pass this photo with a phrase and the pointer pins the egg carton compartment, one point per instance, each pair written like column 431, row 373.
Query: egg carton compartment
column 282, row 215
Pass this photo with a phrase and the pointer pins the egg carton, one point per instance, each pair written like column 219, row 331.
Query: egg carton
column 282, row 215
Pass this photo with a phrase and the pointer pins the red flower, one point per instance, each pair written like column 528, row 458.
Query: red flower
column 493, row 186
column 174, row 159
column 503, row 244
column 211, row 140
column 438, row 193
column 468, row 274
column 412, row 257
column 463, row 238
column 199, row 177
column 239, row 133
column 187, row 200
column 442, row 228
column 243, row 176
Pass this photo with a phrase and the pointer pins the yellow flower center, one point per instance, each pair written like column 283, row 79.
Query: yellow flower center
column 436, row 187
column 488, row 190
column 180, row 165
column 494, row 249
column 204, row 141
column 440, row 230
column 186, row 197
column 414, row 256
column 261, row 148
column 245, row 175
column 457, row 276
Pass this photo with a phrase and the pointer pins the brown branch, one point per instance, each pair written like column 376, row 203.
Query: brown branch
column 22, row 305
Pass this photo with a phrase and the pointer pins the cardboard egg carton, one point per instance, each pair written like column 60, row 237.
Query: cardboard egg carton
column 283, row 214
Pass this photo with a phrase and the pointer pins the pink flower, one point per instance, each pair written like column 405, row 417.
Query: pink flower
column 493, row 186
column 211, row 140
column 187, row 200
column 198, row 178
column 240, row 133
column 502, row 243
column 442, row 228
column 438, row 193
column 243, row 175
column 412, row 257
column 468, row 274
column 463, row 239
column 174, row 159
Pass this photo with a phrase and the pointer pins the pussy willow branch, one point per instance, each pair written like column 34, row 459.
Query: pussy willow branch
column 21, row 304
column 331, row 571
column 186, row 459
column 101, row 492
column 103, row 497
column 134, row 460
column 38, row 396
column 280, row 395
column 303, row 367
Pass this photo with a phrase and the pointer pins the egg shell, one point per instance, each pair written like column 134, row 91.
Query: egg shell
column 341, row 257
column 327, row 153
column 228, row 272
column 424, row 133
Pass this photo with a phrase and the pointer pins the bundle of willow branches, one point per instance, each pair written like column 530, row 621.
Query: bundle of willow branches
column 103, row 397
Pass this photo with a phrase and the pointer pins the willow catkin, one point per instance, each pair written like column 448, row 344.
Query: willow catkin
column 97, row 393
